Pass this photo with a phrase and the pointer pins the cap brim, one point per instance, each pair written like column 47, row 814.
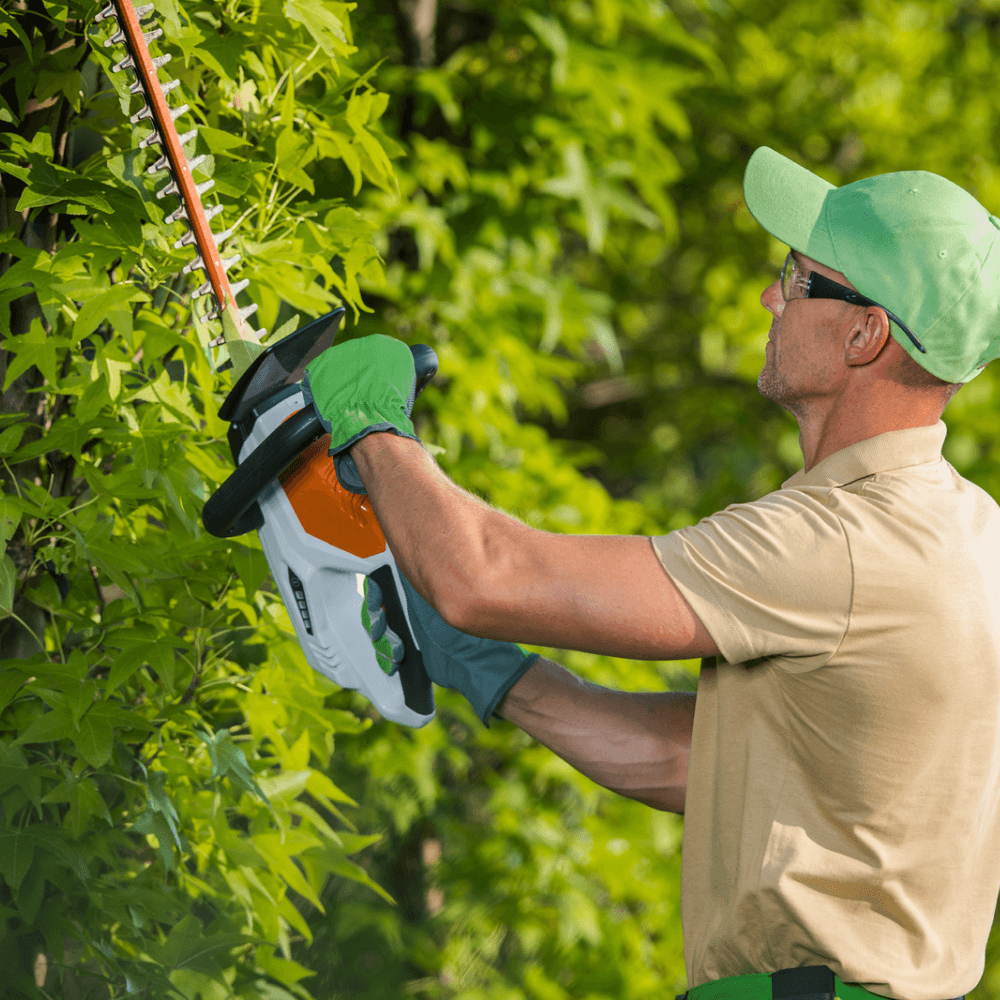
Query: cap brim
column 787, row 200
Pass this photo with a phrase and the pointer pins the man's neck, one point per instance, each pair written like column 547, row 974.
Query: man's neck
column 850, row 421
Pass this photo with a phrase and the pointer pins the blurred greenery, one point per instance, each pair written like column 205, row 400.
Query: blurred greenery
column 549, row 194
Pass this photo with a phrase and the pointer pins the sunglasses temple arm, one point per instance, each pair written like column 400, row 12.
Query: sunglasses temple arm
column 856, row 298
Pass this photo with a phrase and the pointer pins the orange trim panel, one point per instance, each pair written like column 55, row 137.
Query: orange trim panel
column 325, row 509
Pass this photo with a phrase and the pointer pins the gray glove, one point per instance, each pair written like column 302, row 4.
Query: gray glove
column 483, row 670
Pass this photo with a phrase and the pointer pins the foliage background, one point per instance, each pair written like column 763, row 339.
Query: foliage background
column 549, row 194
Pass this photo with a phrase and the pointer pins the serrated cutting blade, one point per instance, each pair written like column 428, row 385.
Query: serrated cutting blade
column 243, row 341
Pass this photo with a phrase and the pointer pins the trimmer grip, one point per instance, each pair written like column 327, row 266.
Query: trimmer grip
column 417, row 689
column 425, row 361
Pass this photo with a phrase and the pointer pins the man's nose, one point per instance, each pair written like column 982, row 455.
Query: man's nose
column 772, row 299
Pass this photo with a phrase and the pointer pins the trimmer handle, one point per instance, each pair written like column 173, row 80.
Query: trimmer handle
column 223, row 512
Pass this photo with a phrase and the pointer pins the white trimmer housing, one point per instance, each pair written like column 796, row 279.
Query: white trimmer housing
column 322, row 584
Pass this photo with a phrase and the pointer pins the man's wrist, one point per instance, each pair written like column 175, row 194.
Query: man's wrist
column 520, row 688
column 371, row 444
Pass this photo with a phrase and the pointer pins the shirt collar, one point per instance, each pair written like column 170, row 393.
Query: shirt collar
column 882, row 453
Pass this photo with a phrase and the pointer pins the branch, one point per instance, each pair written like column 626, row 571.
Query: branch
column 415, row 24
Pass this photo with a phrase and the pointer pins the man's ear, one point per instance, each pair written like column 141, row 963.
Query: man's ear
column 867, row 336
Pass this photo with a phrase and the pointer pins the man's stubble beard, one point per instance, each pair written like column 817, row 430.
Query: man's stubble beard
column 774, row 385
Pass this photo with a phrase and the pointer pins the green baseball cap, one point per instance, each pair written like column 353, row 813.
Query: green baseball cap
column 913, row 241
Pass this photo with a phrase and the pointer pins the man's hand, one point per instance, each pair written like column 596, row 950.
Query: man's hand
column 360, row 387
column 481, row 669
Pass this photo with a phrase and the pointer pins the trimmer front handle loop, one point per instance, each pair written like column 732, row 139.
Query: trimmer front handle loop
column 224, row 509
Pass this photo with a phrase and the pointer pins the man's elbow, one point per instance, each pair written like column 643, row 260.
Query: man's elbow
column 663, row 800
column 453, row 595
column 452, row 606
column 477, row 588
column 463, row 609
column 468, row 603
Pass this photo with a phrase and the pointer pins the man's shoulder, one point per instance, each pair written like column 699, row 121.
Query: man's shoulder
column 789, row 524
column 786, row 509
column 771, row 577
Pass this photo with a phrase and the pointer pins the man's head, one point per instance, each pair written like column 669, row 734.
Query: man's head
column 825, row 347
column 921, row 251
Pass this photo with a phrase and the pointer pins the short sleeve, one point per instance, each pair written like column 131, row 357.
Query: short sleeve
column 772, row 578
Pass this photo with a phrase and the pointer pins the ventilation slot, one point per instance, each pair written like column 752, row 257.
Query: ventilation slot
column 300, row 600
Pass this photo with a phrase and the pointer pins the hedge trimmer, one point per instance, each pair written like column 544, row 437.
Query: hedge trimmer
column 322, row 541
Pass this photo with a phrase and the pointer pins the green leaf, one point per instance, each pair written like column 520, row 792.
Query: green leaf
column 17, row 851
column 275, row 849
column 285, row 970
column 333, row 860
column 354, row 842
column 95, row 739
column 577, row 183
column 229, row 760
column 219, row 141
column 287, row 119
column 9, row 25
column 322, row 23
column 15, row 770
column 286, row 785
column 234, row 179
column 11, row 681
column 252, row 567
column 161, row 818
column 85, row 802
column 551, row 34
column 219, row 52
column 286, row 328
column 50, row 184
column 119, row 559
column 155, row 823
column 293, row 151
column 93, row 399
column 103, row 306
column 158, row 653
column 188, row 946
column 8, row 584
column 54, row 725
column 37, row 348
column 240, row 851
column 6, row 113
column 114, row 713
column 80, row 698
column 29, row 896
column 320, row 784
column 11, row 438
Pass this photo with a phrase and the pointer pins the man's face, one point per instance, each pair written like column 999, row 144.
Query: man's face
column 803, row 359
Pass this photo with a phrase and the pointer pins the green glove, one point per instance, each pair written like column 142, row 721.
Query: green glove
column 389, row 648
column 483, row 670
column 363, row 386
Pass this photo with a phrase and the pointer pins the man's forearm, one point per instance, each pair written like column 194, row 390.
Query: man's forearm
column 635, row 744
column 492, row 576
column 405, row 483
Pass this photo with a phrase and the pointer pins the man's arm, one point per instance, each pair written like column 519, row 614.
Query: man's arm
column 489, row 575
column 637, row 745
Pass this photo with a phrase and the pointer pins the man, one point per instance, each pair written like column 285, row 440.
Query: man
column 839, row 767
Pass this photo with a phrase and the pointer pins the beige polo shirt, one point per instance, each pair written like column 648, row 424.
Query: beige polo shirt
column 844, row 782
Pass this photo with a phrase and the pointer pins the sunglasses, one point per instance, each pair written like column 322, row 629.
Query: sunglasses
column 799, row 284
